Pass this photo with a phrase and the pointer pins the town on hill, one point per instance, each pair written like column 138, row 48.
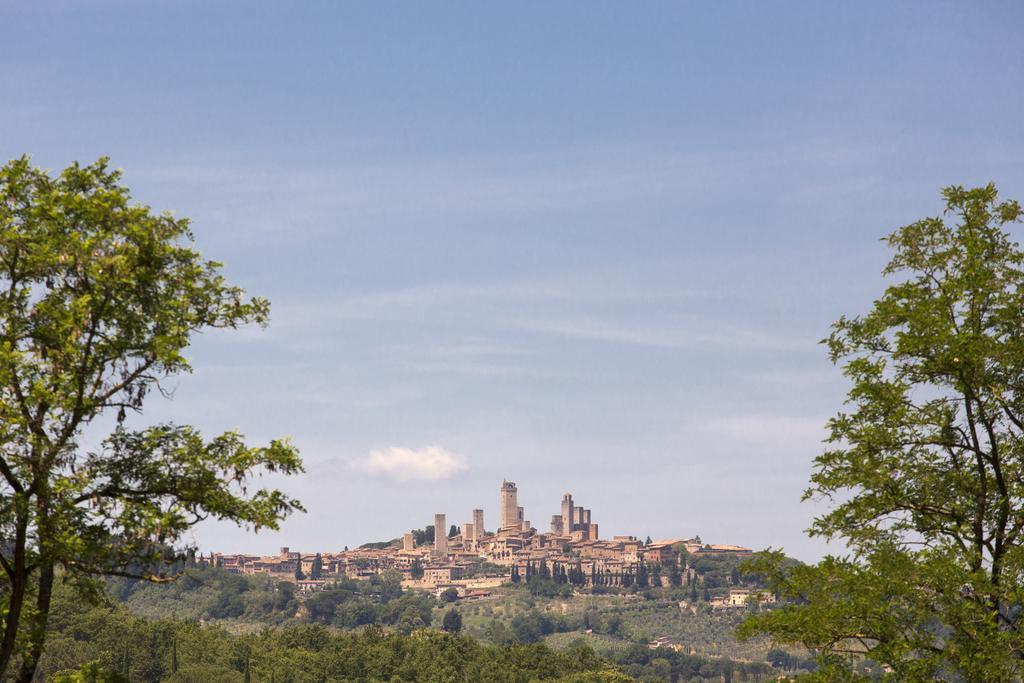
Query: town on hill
column 470, row 559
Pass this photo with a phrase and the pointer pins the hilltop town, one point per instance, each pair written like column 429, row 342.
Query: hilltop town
column 469, row 557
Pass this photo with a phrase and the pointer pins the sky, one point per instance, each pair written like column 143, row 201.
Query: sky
column 583, row 246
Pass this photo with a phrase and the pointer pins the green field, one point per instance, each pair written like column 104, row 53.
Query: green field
column 614, row 621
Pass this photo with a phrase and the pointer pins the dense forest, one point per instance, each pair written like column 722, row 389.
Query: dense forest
column 109, row 643
column 211, row 625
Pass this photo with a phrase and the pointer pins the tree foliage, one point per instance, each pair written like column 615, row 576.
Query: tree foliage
column 925, row 469
column 452, row 622
column 108, row 645
column 98, row 300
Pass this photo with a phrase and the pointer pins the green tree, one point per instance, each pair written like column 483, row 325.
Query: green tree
column 452, row 622
column 416, row 569
column 641, row 575
column 780, row 659
column 675, row 579
column 450, row 594
column 925, row 468
column 317, row 570
column 98, row 300
column 656, row 574
column 90, row 673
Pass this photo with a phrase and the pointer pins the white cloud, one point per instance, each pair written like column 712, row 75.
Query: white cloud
column 430, row 463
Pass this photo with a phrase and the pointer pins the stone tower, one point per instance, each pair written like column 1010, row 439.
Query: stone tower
column 440, row 536
column 478, row 524
column 567, row 514
column 508, row 504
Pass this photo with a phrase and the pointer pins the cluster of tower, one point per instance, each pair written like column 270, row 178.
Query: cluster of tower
column 472, row 533
column 573, row 522
column 573, row 519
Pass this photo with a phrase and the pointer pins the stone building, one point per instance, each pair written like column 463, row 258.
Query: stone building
column 574, row 522
column 440, row 536
column 478, row 525
column 511, row 513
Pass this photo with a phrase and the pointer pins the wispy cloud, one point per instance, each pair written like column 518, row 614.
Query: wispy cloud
column 530, row 181
column 431, row 463
column 777, row 432
column 595, row 309
column 679, row 334
column 310, row 200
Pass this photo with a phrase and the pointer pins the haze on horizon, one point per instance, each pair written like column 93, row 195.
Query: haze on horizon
column 583, row 247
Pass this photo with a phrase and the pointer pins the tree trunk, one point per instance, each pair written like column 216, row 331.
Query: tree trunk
column 37, row 632
column 16, row 601
column 14, row 604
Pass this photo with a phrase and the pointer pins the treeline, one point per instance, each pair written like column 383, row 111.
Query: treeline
column 640, row 661
column 127, row 647
column 378, row 601
column 665, row 664
column 420, row 537
column 682, row 577
column 209, row 593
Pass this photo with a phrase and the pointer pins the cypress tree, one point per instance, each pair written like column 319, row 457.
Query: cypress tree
column 318, row 567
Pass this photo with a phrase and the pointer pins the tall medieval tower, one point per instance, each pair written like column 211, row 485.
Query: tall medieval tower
column 440, row 536
column 478, row 525
column 508, row 504
column 568, row 523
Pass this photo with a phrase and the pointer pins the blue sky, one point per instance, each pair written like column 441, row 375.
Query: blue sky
column 583, row 246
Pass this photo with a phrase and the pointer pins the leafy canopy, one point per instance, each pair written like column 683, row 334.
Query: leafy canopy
column 99, row 299
column 925, row 469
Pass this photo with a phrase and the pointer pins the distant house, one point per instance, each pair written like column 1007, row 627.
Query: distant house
column 660, row 552
column 740, row 597
column 441, row 575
